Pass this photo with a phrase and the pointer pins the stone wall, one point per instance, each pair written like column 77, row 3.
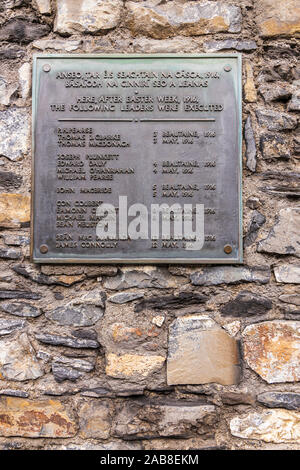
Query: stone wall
column 103, row 357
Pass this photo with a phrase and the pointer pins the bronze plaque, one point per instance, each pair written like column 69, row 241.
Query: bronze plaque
column 137, row 159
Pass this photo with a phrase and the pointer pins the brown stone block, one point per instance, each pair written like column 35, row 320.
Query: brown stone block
column 95, row 420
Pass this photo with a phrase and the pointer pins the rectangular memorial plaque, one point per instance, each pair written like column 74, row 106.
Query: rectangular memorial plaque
column 137, row 158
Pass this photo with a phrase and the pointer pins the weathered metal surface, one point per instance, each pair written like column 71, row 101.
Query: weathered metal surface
column 156, row 129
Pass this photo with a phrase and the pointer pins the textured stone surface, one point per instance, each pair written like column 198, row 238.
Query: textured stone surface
column 8, row 326
column 95, row 420
column 227, row 44
column 156, row 46
column 9, row 4
column 9, row 181
column 199, row 352
column 62, row 373
column 67, row 45
column 94, row 297
column 193, row 443
column 20, row 309
column 17, row 359
column 112, row 389
column 64, row 368
column 22, row 31
column 125, row 297
column 249, row 85
column 247, row 304
column 296, row 146
column 18, row 294
column 7, row 91
column 132, row 366
column 186, row 19
column 290, row 188
column 10, row 253
column 147, row 277
column 290, row 312
column 287, row 273
column 257, row 221
column 238, row 398
column 181, row 300
column 253, row 203
column 33, row 273
column 14, row 133
column 25, row 80
column 278, row 18
column 272, row 350
column 124, row 331
column 233, row 327
column 72, row 270
column 5, row 277
column 13, row 393
column 213, row 276
column 5, row 94
column 278, row 92
column 168, row 418
column 279, row 183
column 90, row 317
column 92, row 16
column 111, row 445
column 274, row 146
column 294, row 103
column 290, row 298
column 82, row 315
column 44, row 6
column 15, row 239
column 269, row 426
column 35, row 418
column 69, row 341
column 275, row 121
column 287, row 400
column 158, row 320
column 283, row 237
column 250, row 145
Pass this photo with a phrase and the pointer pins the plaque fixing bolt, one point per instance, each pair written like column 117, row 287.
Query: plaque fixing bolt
column 227, row 68
column 43, row 249
column 46, row 68
column 228, row 249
